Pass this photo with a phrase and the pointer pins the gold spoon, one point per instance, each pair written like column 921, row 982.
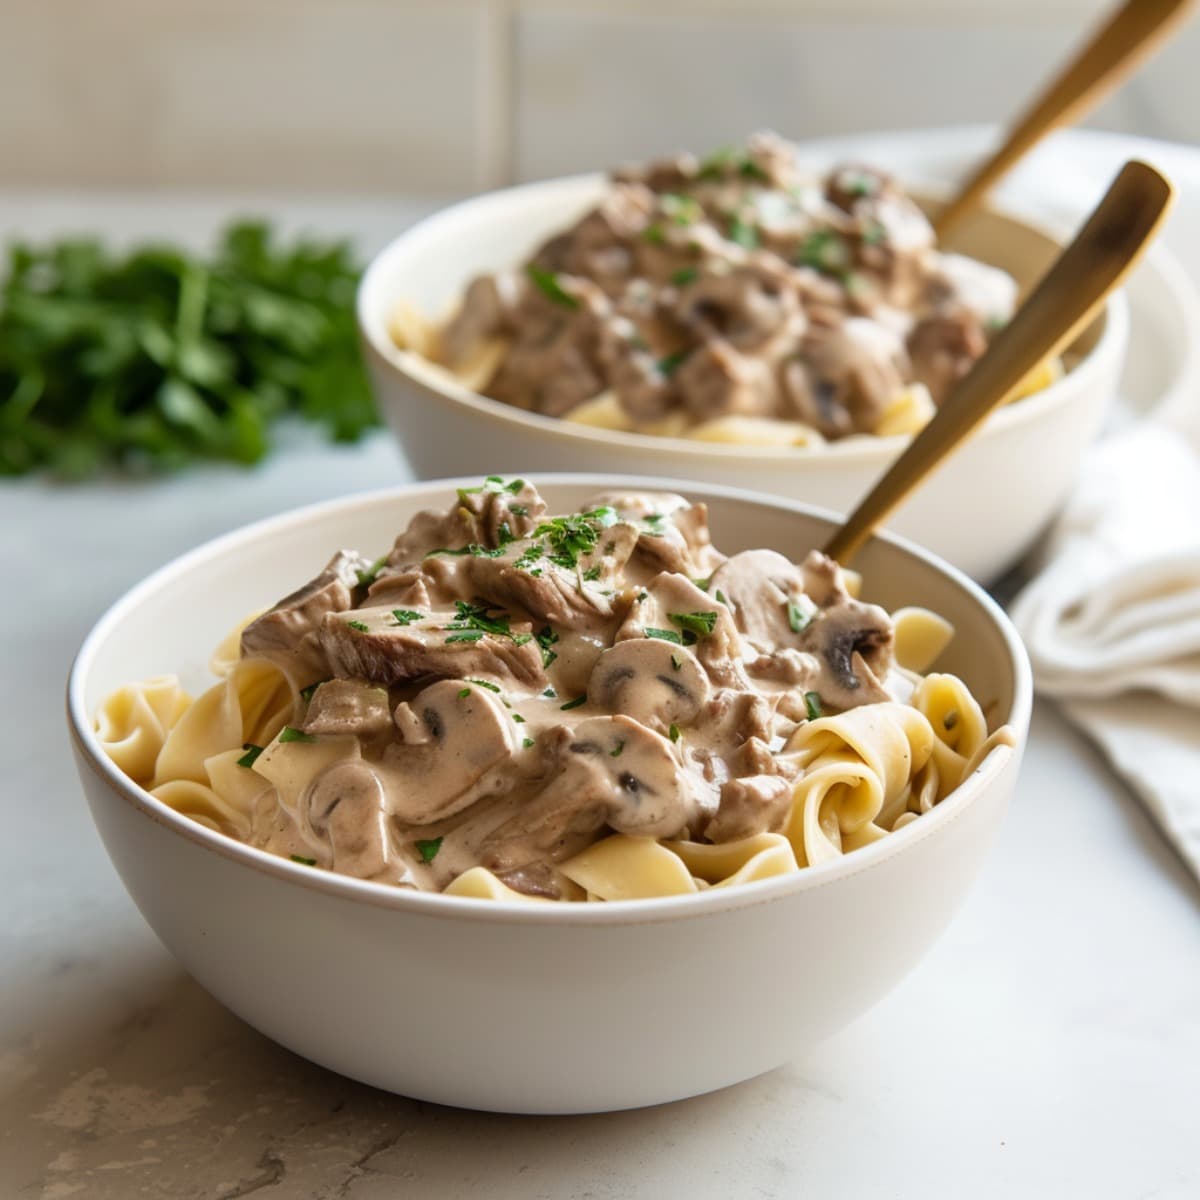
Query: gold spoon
column 1117, row 48
column 1062, row 304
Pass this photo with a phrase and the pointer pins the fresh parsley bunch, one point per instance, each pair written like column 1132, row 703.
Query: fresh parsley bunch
column 152, row 359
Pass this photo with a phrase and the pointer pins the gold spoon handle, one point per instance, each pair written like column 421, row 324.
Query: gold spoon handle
column 1117, row 48
column 1061, row 305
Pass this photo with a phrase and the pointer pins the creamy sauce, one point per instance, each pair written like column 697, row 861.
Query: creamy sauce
column 509, row 686
column 739, row 285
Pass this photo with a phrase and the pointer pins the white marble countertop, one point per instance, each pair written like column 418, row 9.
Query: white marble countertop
column 1048, row 1046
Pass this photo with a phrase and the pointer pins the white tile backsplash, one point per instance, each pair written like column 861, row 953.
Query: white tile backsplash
column 346, row 95
column 599, row 87
column 455, row 95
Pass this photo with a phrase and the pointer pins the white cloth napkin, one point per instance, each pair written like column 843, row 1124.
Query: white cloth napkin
column 1112, row 618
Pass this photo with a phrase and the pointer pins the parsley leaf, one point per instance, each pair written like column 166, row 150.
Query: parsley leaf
column 664, row 635
column 251, row 756
column 812, row 705
column 307, row 693
column 570, row 704
column 361, row 626
column 616, row 751
column 798, row 619
column 405, row 616
column 699, row 623
column 299, row 858
column 368, row 577
column 428, row 849
column 684, row 276
column 547, row 283
column 546, row 638
column 673, row 732
column 291, row 734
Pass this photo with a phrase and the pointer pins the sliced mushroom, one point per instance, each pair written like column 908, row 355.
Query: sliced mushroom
column 854, row 642
column 652, row 681
column 758, row 587
column 609, row 771
column 346, row 807
column 464, row 733
column 667, row 604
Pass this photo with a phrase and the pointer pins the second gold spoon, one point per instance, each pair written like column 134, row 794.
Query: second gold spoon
column 1117, row 48
column 1064, row 301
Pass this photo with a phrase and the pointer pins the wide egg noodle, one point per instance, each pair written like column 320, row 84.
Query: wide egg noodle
column 133, row 723
column 250, row 705
column 621, row 867
column 852, row 766
column 920, row 635
column 957, row 723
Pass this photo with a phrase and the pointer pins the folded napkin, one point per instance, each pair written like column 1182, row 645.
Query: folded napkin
column 1112, row 616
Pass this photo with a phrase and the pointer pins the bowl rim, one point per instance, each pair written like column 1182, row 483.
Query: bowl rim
column 866, row 449
column 435, row 904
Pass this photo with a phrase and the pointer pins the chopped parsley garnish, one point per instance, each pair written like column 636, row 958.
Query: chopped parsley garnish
column 703, row 584
column 474, row 549
column 673, row 733
column 428, row 849
column 494, row 484
column 743, row 233
column 368, row 577
column 873, row 233
column 546, row 638
column 714, row 165
column 290, row 734
column 519, row 639
column 518, row 719
column 642, row 596
column 664, row 635
column 699, row 623
column 361, row 626
column 798, row 619
column 592, row 573
column 529, row 555
column 575, row 534
column 950, row 719
column 405, row 616
column 527, row 742
column 825, row 251
column 251, row 756
column 463, row 693
column 684, row 276
column 570, row 704
column 682, row 210
column 676, row 665
column 812, row 705
column 550, row 693
column 547, row 283
column 518, row 510
column 721, row 598
column 654, row 235
column 484, row 683
column 307, row 862
column 616, row 751
column 472, row 621
column 749, row 169
column 307, row 693
column 668, row 365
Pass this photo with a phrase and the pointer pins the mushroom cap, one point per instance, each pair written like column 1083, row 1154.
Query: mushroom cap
column 652, row 681
column 346, row 807
column 467, row 733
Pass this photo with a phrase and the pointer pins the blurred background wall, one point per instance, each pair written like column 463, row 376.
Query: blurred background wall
column 454, row 95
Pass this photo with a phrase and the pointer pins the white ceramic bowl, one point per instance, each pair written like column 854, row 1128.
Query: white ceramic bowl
column 525, row 1008
column 981, row 511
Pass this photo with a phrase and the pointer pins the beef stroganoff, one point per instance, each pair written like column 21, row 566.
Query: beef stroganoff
column 738, row 298
column 596, row 705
